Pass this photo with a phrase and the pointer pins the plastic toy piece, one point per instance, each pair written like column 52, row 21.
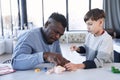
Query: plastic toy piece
column 50, row 71
column 56, row 69
column 115, row 70
column 37, row 70
column 59, row 69
column 45, row 69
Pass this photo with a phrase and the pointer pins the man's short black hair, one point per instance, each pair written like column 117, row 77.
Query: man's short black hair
column 59, row 18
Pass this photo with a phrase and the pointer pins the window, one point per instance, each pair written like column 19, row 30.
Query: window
column 97, row 4
column 1, row 22
column 51, row 6
column 9, row 17
column 77, row 10
column 34, row 12
column 38, row 12
column 38, row 16
column 6, row 16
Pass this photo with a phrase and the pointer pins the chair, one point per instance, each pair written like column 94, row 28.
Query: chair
column 111, row 32
column 116, row 56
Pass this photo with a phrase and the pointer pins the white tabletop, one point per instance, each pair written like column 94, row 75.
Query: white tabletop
column 89, row 74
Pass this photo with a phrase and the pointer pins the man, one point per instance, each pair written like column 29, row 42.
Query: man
column 40, row 45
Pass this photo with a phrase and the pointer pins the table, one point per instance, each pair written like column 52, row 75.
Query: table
column 89, row 74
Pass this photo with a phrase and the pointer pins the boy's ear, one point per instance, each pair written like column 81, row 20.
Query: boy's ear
column 101, row 21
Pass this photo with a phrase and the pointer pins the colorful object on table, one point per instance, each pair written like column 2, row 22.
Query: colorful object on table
column 6, row 69
column 59, row 69
column 37, row 70
column 45, row 69
column 56, row 69
column 115, row 70
column 50, row 71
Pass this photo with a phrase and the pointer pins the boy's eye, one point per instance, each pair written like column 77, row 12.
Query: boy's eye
column 89, row 24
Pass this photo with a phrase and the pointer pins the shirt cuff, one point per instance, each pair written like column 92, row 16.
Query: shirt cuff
column 89, row 64
column 40, row 57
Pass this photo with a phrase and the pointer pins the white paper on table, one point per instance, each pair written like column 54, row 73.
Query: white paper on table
column 6, row 69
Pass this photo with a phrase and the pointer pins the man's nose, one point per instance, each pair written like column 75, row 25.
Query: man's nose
column 58, row 36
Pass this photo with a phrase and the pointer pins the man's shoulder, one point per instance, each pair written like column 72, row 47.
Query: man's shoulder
column 28, row 32
column 33, row 31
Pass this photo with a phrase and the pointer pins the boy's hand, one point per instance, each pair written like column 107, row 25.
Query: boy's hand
column 73, row 48
column 74, row 67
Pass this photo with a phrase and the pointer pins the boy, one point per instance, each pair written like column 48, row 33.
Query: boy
column 98, row 47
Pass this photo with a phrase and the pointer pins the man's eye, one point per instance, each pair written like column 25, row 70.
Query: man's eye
column 58, row 33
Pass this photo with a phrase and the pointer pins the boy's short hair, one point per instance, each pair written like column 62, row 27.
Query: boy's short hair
column 94, row 14
column 59, row 18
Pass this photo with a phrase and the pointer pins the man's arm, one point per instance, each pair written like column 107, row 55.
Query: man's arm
column 23, row 59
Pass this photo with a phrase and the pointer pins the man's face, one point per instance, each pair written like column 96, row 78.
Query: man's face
column 53, row 31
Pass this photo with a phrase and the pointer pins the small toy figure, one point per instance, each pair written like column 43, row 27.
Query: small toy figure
column 56, row 69
column 37, row 70
column 115, row 70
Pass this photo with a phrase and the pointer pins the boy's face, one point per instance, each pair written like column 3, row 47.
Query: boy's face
column 94, row 27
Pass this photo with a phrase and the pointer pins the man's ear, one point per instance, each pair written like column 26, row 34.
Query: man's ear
column 46, row 24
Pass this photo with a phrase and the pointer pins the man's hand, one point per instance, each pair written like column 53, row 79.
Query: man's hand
column 55, row 58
